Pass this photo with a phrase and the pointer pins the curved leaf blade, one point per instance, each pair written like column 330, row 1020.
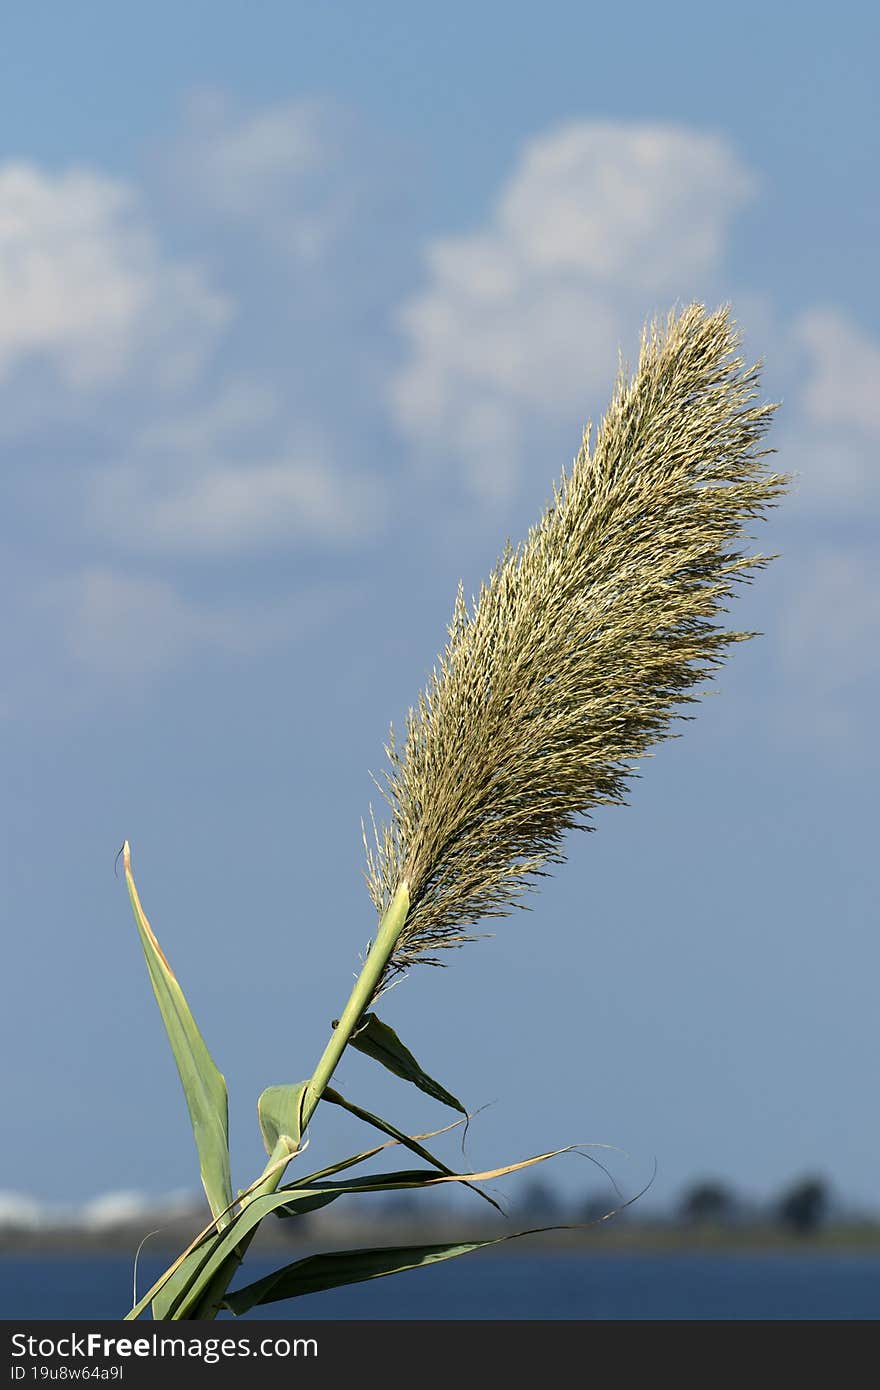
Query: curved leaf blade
column 210, row 1237
column 164, row 1302
column 354, row 1159
column 224, row 1247
column 280, row 1113
column 423, row 1177
column 322, row 1193
column 317, row 1273
column 408, row 1142
column 309, row 1200
column 203, row 1084
column 377, row 1040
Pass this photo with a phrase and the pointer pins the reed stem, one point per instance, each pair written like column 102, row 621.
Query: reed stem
column 387, row 935
column 390, row 927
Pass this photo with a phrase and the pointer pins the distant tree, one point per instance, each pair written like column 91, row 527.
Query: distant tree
column 539, row 1203
column 397, row 1205
column 804, row 1206
column 595, row 1209
column 710, row 1203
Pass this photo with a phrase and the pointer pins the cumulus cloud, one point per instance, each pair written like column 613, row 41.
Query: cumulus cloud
column 517, row 321
column 119, row 625
column 831, row 601
column 633, row 205
column 829, row 634
column 169, row 426
column 843, row 385
column 831, row 423
column 234, row 506
column 216, row 506
column 285, row 173
column 19, row 1212
column 186, row 452
column 199, row 482
column 86, row 288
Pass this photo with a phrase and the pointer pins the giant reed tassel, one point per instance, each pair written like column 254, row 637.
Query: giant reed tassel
column 582, row 647
column 583, row 644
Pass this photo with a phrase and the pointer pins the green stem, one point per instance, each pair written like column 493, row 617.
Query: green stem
column 387, row 936
column 390, row 927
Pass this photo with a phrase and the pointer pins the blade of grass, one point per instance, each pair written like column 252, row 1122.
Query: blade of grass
column 377, row 1040
column 203, row 1084
column 384, row 1127
column 280, row 1113
column 362, row 1157
column 332, row 1270
column 213, row 1230
column 190, row 1302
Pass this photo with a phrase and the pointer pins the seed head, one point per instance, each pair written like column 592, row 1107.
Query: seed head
column 585, row 643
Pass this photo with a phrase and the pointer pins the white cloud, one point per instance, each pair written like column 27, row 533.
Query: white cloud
column 143, row 421
column 235, row 413
column 510, row 339
column 120, row 626
column 89, row 292
column 282, row 171
column 629, row 204
column 833, row 429
column 236, row 506
column 220, row 506
column 85, row 287
column 843, row 387
column 113, row 1209
column 831, row 654
column 518, row 321
column 230, row 476
column 19, row 1212
column 836, row 473
column 827, row 434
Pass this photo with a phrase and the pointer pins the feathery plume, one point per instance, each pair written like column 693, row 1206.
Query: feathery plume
column 584, row 643
column 582, row 647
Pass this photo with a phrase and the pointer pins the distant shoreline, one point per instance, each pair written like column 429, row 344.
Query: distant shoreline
column 635, row 1238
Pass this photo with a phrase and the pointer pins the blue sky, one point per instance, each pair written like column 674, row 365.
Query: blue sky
column 300, row 313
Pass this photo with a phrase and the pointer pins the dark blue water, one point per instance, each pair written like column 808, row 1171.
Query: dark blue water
column 556, row 1285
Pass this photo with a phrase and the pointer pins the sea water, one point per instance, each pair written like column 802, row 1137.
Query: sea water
column 554, row 1285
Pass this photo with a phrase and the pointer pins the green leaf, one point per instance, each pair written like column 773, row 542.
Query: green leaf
column 224, row 1248
column 412, row 1144
column 193, row 1275
column 351, row 1162
column 385, row 1182
column 280, row 1110
column 203, row 1085
column 309, row 1200
column 186, row 1290
column 203, row 1294
column 330, row 1271
column 165, row 1299
column 377, row 1040
column 354, row 1159
column 414, row 1177
column 322, row 1193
